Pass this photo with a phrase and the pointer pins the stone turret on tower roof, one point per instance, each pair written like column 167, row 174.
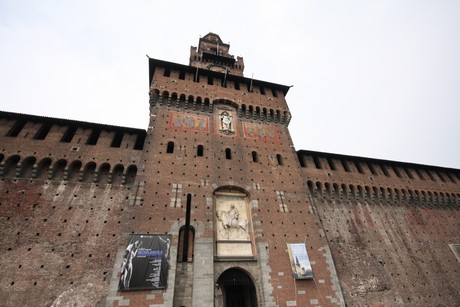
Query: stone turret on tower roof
column 213, row 54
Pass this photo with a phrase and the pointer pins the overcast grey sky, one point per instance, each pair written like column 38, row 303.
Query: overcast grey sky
column 378, row 79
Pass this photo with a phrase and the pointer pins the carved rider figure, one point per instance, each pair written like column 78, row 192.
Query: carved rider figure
column 233, row 215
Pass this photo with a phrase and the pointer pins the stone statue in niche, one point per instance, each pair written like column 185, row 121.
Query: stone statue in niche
column 226, row 121
column 234, row 227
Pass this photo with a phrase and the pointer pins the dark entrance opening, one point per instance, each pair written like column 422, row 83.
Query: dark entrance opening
column 238, row 289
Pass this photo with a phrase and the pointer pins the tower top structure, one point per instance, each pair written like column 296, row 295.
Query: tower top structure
column 213, row 54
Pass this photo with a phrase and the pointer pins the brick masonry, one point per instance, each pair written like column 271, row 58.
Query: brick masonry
column 377, row 232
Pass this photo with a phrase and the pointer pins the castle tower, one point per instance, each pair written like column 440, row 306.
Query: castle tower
column 212, row 206
column 213, row 54
column 221, row 140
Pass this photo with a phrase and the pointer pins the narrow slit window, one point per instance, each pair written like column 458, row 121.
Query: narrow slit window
column 279, row 159
column 228, row 154
column 170, row 148
column 255, row 157
column 200, row 150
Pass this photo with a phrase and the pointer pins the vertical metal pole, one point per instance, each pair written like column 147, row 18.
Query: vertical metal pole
column 187, row 228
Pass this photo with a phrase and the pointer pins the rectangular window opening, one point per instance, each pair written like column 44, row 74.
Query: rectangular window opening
column 384, row 170
column 331, row 163
column 372, row 169
column 42, row 132
column 358, row 166
column 139, row 145
column 69, row 134
column 317, row 162
column 93, row 137
column 345, row 166
column 16, row 129
column 117, row 138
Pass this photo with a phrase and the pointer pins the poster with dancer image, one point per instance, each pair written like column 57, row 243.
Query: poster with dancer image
column 300, row 263
column 145, row 264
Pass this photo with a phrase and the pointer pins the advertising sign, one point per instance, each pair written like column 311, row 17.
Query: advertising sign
column 301, row 267
column 145, row 265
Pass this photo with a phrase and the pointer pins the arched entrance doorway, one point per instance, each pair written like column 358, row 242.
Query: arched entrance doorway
column 237, row 288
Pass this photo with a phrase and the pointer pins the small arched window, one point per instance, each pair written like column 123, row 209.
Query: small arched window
column 170, row 147
column 228, row 154
column 199, row 151
column 255, row 157
column 279, row 159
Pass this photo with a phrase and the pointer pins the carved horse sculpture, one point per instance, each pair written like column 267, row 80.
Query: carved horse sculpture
column 230, row 222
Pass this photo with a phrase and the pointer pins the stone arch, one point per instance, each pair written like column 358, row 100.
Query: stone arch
column 43, row 169
column 327, row 186
column 319, row 187
column 88, row 172
column 73, row 171
column 10, row 166
column 27, row 166
column 226, row 102
column 237, row 287
column 117, row 174
column 103, row 173
column 352, row 190
column 58, row 171
column 344, row 190
column 360, row 191
column 205, row 105
column 190, row 102
column 311, row 187
column 130, row 174
column 199, row 102
column 250, row 111
column 257, row 112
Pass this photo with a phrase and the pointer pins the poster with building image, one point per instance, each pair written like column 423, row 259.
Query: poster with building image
column 300, row 263
column 145, row 263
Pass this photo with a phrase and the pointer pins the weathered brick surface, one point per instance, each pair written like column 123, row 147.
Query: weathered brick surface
column 377, row 232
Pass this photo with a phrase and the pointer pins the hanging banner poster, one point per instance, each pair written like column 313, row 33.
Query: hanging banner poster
column 145, row 265
column 300, row 263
